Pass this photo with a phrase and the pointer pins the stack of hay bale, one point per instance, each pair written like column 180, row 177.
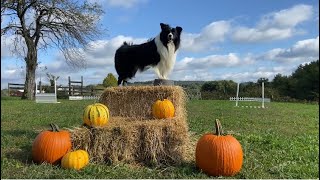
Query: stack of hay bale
column 133, row 135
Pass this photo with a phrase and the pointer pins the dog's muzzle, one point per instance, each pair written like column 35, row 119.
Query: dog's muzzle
column 170, row 37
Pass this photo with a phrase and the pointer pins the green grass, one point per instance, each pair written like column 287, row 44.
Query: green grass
column 280, row 141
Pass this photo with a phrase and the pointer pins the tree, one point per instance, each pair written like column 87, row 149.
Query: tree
column 209, row 86
column 110, row 81
column 52, row 78
column 38, row 24
column 303, row 84
column 281, row 84
column 263, row 80
column 306, row 81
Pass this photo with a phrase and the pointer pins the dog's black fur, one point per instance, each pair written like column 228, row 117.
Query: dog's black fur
column 157, row 53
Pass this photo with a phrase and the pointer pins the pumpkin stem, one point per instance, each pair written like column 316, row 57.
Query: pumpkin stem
column 219, row 130
column 54, row 127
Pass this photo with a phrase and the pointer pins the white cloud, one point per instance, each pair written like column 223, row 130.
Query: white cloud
column 8, row 46
column 237, row 75
column 211, row 61
column 244, row 34
column 124, row 3
column 102, row 52
column 11, row 73
column 213, row 33
column 304, row 50
column 248, row 76
column 192, row 75
column 275, row 26
column 287, row 17
column 5, row 48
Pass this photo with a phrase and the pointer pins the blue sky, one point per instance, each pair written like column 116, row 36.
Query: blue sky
column 221, row 40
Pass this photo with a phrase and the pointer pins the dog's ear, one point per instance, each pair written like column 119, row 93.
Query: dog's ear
column 179, row 29
column 164, row 26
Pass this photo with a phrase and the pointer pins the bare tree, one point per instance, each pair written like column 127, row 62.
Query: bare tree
column 39, row 24
column 52, row 78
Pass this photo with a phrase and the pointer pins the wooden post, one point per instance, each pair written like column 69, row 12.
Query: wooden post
column 69, row 83
column 81, row 90
column 8, row 89
column 40, row 87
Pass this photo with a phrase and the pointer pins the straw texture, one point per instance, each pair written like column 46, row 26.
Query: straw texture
column 133, row 135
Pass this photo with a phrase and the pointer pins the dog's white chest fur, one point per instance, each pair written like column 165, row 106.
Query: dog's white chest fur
column 167, row 58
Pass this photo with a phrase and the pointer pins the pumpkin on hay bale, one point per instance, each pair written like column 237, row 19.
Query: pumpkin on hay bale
column 133, row 134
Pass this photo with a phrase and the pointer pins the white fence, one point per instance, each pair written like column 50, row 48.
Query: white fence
column 46, row 97
column 83, row 97
column 250, row 99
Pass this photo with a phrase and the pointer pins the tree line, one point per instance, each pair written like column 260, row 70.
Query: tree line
column 301, row 85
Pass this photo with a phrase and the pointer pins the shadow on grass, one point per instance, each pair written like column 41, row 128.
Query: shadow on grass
column 19, row 132
column 17, row 144
column 10, row 98
column 22, row 154
column 185, row 169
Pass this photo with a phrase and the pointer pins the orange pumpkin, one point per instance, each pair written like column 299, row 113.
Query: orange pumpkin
column 51, row 145
column 219, row 155
column 163, row 109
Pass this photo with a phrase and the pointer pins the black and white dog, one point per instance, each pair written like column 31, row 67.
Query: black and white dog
column 159, row 52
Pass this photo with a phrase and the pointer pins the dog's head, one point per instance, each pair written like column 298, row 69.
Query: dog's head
column 169, row 34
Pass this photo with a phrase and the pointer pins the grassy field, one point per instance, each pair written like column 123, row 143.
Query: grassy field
column 280, row 141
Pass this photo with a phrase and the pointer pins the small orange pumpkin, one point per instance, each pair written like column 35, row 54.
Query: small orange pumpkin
column 51, row 145
column 163, row 109
column 219, row 155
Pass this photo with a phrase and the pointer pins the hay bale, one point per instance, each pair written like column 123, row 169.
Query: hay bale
column 132, row 134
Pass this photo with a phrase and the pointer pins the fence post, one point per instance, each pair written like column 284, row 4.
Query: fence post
column 69, row 83
column 36, row 87
column 91, row 90
column 40, row 87
column 262, row 95
column 81, row 90
column 55, row 88
column 237, row 95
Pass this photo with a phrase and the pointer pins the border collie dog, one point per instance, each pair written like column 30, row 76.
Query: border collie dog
column 159, row 53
